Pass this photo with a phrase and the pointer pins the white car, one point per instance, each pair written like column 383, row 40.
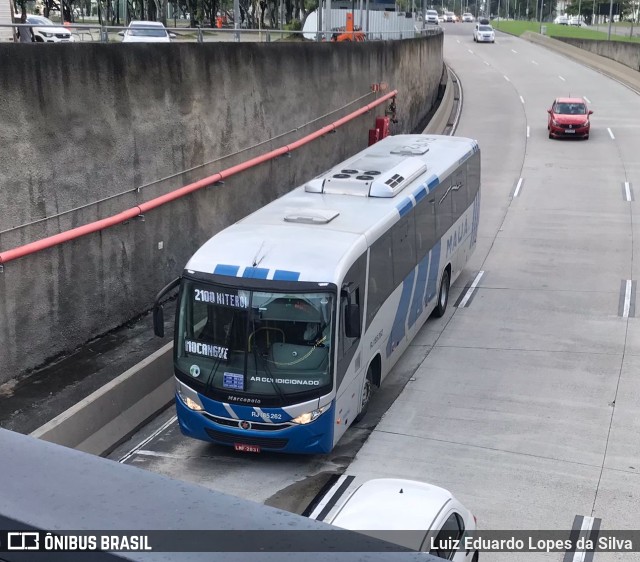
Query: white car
column 45, row 31
column 562, row 20
column 431, row 17
column 429, row 516
column 575, row 20
column 484, row 33
column 467, row 17
column 449, row 16
column 146, row 32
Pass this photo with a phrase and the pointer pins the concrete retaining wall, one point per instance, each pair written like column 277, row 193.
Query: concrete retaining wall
column 88, row 122
column 620, row 51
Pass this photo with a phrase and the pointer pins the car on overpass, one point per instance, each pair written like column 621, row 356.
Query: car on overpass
column 569, row 117
column 146, row 32
column 419, row 516
column 45, row 31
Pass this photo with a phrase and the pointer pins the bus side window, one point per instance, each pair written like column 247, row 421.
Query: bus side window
column 380, row 274
column 425, row 226
column 473, row 176
column 443, row 203
column 459, row 192
column 404, row 248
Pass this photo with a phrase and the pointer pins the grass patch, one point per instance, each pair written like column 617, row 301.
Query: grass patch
column 557, row 30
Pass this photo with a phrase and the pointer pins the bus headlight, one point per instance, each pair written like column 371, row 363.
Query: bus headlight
column 189, row 397
column 310, row 416
column 191, row 404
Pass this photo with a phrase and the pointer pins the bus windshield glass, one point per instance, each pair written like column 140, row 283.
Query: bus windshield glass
column 256, row 343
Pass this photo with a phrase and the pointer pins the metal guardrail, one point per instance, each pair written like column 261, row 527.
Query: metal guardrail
column 94, row 33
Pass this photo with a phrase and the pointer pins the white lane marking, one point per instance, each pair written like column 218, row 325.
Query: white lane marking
column 514, row 51
column 561, row 78
column 327, row 497
column 585, row 529
column 586, row 99
column 485, row 62
column 470, row 51
column 146, row 453
column 515, row 194
column 521, row 99
column 157, row 432
column 534, row 62
column 627, row 299
column 611, row 134
column 507, row 78
column 528, row 131
column 458, row 40
column 627, row 190
column 471, row 289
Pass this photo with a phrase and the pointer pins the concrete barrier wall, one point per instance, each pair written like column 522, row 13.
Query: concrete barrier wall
column 620, row 51
column 83, row 123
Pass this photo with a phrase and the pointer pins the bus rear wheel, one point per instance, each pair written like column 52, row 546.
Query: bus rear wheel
column 443, row 295
column 367, row 391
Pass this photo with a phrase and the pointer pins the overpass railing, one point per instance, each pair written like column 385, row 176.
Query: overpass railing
column 94, row 33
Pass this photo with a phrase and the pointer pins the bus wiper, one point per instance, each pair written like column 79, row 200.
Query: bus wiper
column 214, row 369
column 259, row 352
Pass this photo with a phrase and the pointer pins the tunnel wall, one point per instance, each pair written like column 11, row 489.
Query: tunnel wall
column 88, row 130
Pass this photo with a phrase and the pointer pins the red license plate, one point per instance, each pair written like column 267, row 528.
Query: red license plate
column 246, row 448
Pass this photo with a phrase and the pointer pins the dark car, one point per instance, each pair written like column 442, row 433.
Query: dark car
column 569, row 117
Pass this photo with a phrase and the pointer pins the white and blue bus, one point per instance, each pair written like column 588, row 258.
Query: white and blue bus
column 287, row 320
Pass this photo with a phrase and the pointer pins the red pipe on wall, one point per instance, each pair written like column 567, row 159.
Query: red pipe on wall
column 134, row 212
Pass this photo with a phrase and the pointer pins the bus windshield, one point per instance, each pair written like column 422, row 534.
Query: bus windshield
column 248, row 342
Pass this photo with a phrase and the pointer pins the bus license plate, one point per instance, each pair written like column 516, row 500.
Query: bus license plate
column 569, row 131
column 246, row 448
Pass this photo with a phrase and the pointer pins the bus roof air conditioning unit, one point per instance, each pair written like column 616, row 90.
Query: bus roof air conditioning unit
column 370, row 176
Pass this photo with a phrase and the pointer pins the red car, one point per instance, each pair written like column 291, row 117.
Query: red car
column 569, row 117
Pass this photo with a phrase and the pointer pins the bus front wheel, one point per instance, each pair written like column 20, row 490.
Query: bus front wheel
column 443, row 295
column 367, row 391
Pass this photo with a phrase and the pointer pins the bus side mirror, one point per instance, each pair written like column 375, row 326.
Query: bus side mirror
column 352, row 321
column 158, row 321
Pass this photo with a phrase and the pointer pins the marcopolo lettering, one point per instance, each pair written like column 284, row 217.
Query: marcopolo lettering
column 206, row 349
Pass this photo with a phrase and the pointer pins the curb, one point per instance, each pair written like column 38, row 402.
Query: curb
column 440, row 120
column 112, row 413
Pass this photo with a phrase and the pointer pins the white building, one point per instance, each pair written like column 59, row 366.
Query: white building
column 6, row 33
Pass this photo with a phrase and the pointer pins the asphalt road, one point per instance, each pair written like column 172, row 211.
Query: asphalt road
column 523, row 404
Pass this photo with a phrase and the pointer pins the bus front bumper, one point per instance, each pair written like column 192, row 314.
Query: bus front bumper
column 314, row 437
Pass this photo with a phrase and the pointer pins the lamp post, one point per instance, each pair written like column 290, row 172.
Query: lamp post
column 540, row 13
column 610, row 18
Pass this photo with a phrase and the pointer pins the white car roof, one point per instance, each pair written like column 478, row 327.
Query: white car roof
column 146, row 24
column 392, row 504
